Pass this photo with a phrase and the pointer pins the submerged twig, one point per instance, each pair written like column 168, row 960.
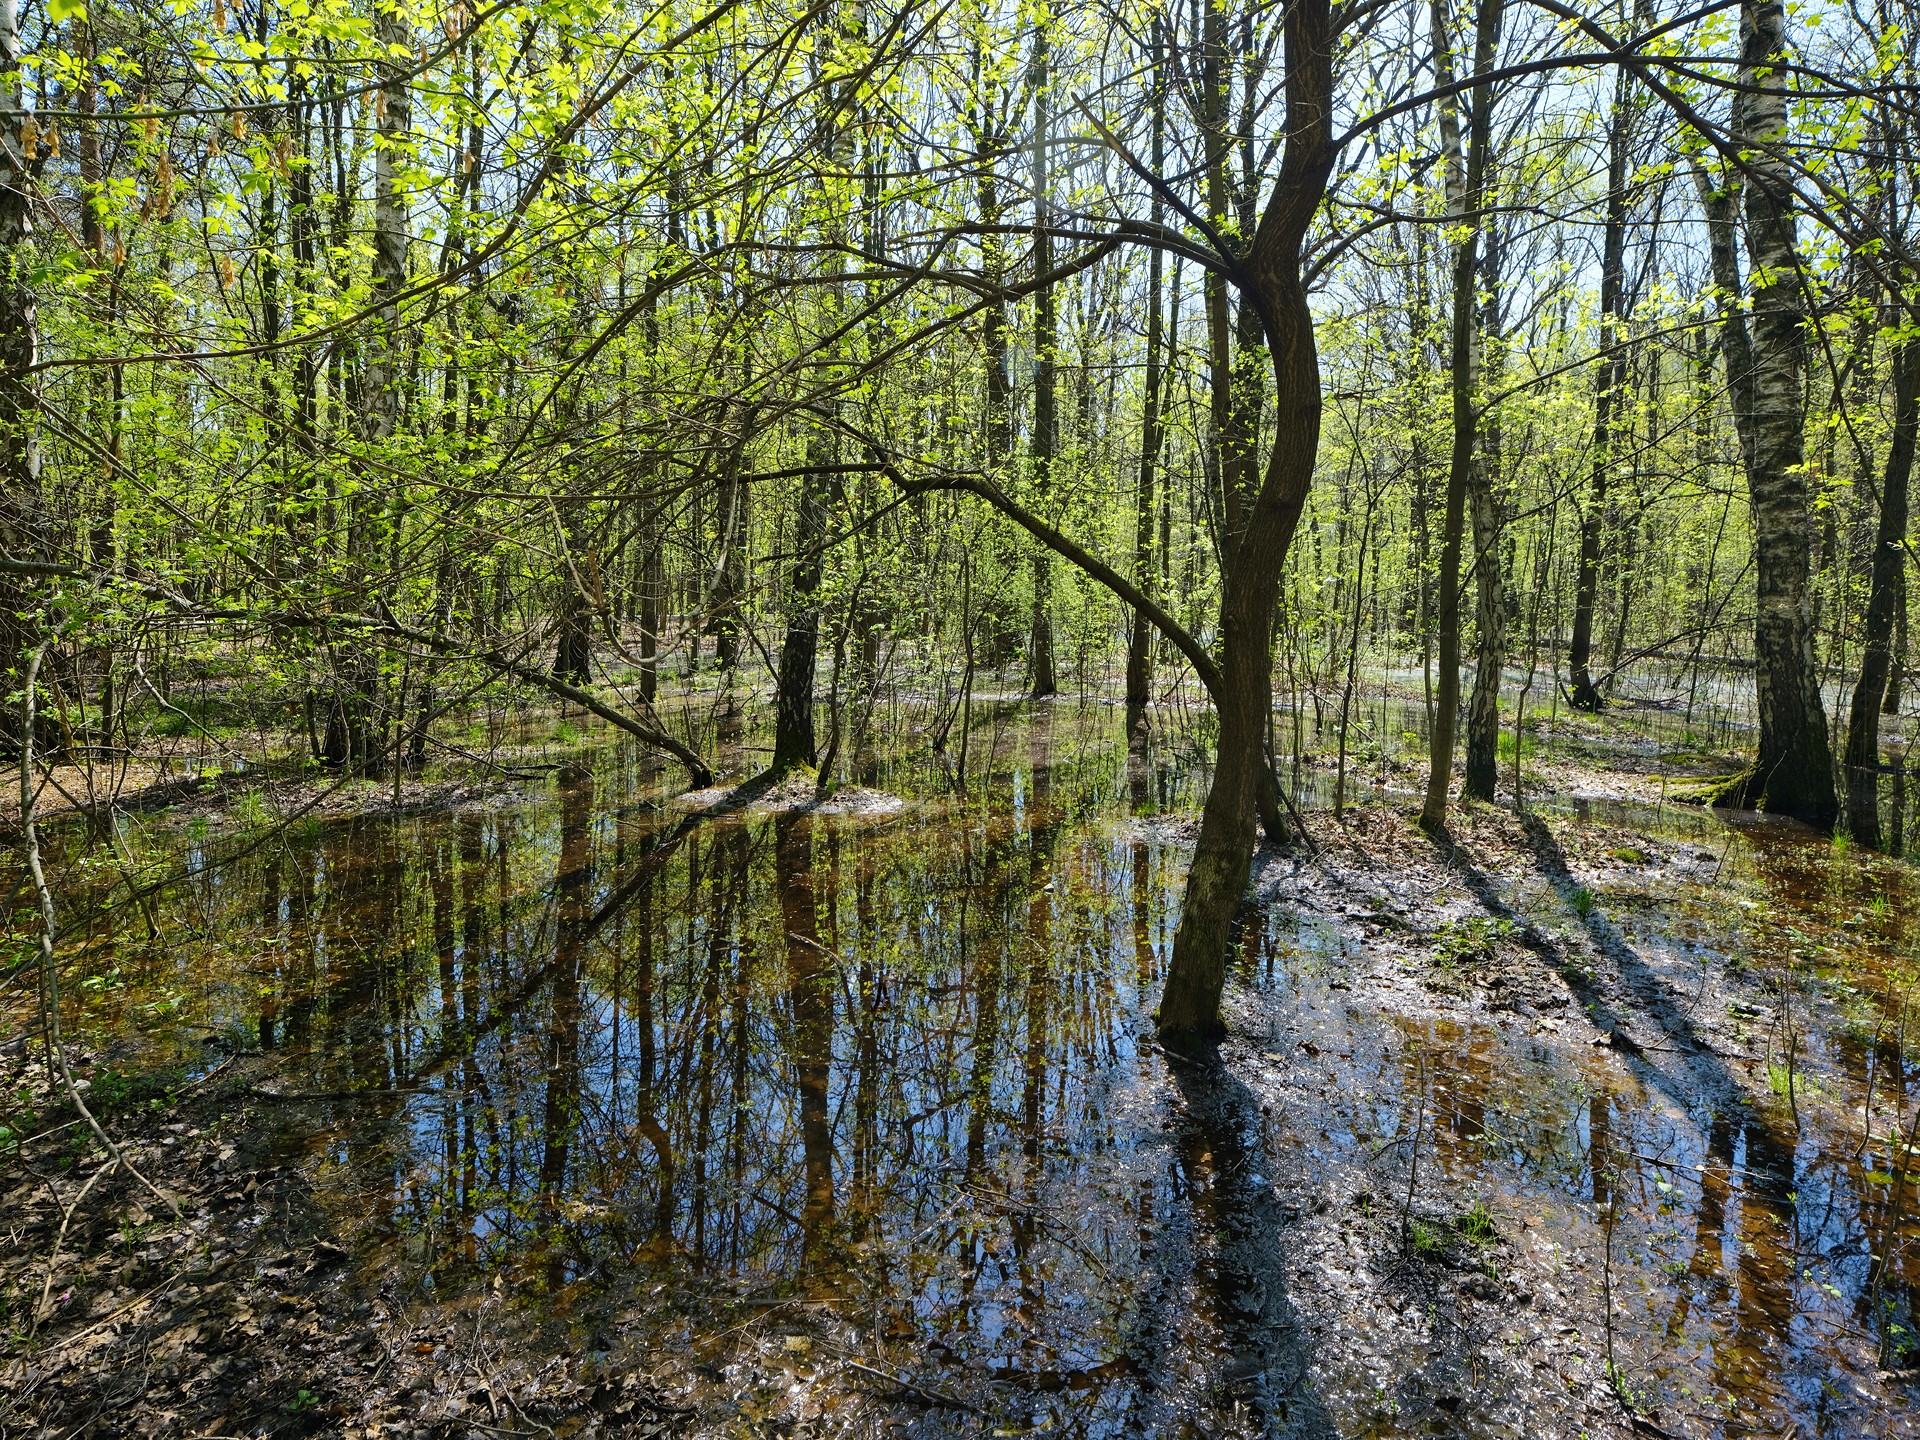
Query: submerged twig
column 905, row 1386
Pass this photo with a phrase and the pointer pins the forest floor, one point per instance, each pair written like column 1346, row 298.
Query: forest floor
column 1364, row 1287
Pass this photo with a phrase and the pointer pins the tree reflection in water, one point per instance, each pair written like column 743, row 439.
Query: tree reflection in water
column 892, row 1066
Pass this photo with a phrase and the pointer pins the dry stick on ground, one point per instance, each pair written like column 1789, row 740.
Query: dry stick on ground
column 49, row 971
column 67, row 1212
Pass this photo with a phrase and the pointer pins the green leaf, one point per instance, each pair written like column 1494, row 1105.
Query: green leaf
column 58, row 10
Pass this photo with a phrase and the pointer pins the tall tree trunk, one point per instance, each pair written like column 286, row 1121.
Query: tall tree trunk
column 653, row 559
column 1140, row 637
column 23, row 526
column 993, row 319
column 1490, row 591
column 1046, row 341
column 1233, row 340
column 793, row 737
column 1223, row 852
column 1420, row 603
column 1466, row 183
column 386, row 361
column 1889, row 569
column 1793, row 770
column 301, row 222
column 350, row 741
column 1608, row 378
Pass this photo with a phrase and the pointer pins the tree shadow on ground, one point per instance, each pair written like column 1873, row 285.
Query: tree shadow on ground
column 1244, row 1278
column 1676, row 1061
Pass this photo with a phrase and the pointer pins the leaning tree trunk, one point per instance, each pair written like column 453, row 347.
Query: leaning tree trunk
column 1889, row 569
column 1793, row 770
column 1607, row 382
column 1223, row 852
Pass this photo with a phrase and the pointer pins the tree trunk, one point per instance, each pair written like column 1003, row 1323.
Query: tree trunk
column 1217, row 879
column 653, row 562
column 393, row 117
column 1490, row 591
column 730, row 576
column 793, row 737
column 1140, row 638
column 23, row 528
column 793, row 741
column 1465, row 187
column 1793, row 770
column 651, row 585
column 1607, row 381
column 1897, row 670
column 573, row 656
column 1046, row 340
column 1889, row 569
column 350, row 741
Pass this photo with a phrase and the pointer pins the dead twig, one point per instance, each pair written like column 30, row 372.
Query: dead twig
column 67, row 1212
column 907, row 1387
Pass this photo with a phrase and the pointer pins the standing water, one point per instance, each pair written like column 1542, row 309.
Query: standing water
column 844, row 1117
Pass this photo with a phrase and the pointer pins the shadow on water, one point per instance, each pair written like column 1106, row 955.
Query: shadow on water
column 880, row 1083
column 1224, row 1152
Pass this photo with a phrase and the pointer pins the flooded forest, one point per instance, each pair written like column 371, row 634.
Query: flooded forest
column 959, row 718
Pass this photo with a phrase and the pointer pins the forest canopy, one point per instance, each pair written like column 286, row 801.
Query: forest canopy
column 388, row 355
column 959, row 717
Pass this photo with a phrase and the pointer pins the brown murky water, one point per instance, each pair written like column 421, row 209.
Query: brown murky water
column 877, row 1086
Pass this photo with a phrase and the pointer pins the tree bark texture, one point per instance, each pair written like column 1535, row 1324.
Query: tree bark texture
column 1490, row 590
column 1217, row 879
column 793, row 731
column 1609, row 378
column 1793, row 770
column 1140, row 638
column 1046, row 339
column 1889, row 570
column 1466, row 181
column 23, row 523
